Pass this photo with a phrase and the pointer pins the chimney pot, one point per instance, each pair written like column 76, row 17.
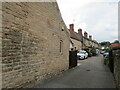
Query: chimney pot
column 85, row 34
column 71, row 27
column 80, row 31
column 90, row 37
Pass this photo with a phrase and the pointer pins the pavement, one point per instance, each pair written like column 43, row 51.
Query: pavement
column 90, row 73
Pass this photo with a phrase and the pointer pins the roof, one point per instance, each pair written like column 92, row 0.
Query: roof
column 86, row 38
column 95, row 41
column 74, row 36
column 79, row 36
column 115, row 45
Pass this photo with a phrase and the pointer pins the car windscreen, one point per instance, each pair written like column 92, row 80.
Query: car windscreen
column 81, row 52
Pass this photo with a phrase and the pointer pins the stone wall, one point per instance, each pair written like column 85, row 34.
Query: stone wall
column 86, row 41
column 34, row 43
column 0, row 45
column 116, row 54
column 77, row 44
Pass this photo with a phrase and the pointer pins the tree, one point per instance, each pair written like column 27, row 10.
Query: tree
column 116, row 41
column 105, row 43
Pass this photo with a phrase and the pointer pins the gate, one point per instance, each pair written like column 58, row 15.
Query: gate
column 72, row 59
column 111, row 61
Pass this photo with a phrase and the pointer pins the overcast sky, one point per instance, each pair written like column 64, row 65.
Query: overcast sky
column 98, row 17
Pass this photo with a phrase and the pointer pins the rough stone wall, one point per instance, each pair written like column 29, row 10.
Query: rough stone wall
column 31, row 36
column 86, row 42
column 116, row 54
column 0, row 45
column 96, row 45
column 77, row 44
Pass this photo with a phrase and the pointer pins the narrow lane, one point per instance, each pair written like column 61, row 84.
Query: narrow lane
column 90, row 73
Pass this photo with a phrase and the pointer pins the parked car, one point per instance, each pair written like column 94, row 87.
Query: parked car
column 102, row 52
column 86, row 54
column 97, row 51
column 81, row 54
column 105, row 54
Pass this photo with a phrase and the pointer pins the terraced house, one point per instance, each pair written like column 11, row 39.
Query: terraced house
column 88, row 42
column 95, row 44
column 81, row 41
column 75, row 38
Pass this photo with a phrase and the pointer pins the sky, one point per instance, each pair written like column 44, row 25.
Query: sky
column 98, row 18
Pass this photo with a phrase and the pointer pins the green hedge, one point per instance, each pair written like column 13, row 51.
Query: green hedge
column 116, row 48
column 90, row 51
column 106, row 60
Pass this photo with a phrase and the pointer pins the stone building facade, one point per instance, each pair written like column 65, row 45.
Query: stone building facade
column 35, row 42
column 74, row 37
column 89, row 42
column 77, row 44
column 81, row 41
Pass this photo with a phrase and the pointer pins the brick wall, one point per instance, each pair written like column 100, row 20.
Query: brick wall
column 116, row 54
column 31, row 36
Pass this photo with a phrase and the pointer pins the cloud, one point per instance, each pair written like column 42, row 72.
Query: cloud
column 99, row 18
column 105, row 22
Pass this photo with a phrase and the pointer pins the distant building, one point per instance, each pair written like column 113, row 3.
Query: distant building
column 86, row 40
column 115, row 45
column 96, row 44
column 81, row 42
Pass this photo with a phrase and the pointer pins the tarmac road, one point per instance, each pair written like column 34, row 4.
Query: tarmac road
column 90, row 73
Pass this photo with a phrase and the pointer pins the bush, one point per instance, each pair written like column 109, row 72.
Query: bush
column 88, row 51
column 106, row 60
column 93, row 51
column 116, row 48
column 90, row 54
column 107, row 49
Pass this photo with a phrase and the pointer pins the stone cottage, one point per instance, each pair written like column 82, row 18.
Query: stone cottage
column 75, row 38
column 35, row 42
column 81, row 41
column 88, row 42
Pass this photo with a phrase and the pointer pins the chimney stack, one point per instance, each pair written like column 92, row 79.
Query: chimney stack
column 85, row 34
column 80, row 31
column 71, row 27
column 90, row 37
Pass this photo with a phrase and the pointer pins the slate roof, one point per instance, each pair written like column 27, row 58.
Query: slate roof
column 79, row 37
column 74, row 36
column 86, row 38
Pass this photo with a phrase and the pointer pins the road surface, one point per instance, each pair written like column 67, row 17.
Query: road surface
column 90, row 73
